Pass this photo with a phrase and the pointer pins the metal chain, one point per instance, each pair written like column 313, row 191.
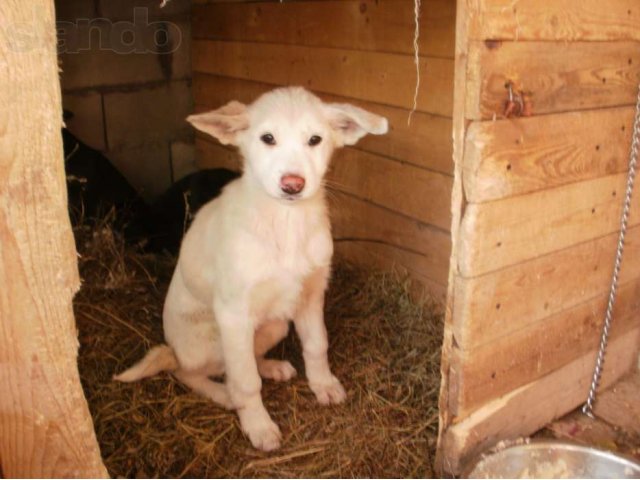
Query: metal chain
column 587, row 409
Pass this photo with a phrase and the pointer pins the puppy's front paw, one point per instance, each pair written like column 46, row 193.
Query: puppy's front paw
column 331, row 392
column 278, row 370
column 264, row 435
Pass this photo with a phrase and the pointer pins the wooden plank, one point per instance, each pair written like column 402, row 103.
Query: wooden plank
column 380, row 77
column 568, row 20
column 213, row 91
column 619, row 404
column 558, row 76
column 370, row 177
column 516, row 156
column 444, row 454
column 525, row 410
column 213, row 155
column 388, row 258
column 356, row 220
column 505, row 301
column 355, row 24
column 425, row 142
column 45, row 426
column 494, row 369
column 509, row 231
column 387, row 183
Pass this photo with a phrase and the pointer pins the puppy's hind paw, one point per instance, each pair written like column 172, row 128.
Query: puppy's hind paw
column 224, row 400
column 278, row 370
column 329, row 393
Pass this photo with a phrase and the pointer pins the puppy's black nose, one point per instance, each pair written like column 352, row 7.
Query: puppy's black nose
column 291, row 184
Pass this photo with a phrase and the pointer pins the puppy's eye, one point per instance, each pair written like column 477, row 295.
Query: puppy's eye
column 314, row 140
column 268, row 139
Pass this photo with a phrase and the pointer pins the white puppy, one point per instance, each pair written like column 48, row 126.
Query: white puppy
column 258, row 257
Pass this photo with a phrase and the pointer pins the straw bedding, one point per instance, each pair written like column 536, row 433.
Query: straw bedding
column 384, row 347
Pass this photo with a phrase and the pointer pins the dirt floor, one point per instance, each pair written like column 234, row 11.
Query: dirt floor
column 616, row 426
column 384, row 347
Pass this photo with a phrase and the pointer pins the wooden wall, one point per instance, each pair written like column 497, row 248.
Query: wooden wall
column 130, row 91
column 537, row 204
column 391, row 200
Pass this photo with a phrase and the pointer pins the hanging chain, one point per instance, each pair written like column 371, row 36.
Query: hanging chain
column 587, row 409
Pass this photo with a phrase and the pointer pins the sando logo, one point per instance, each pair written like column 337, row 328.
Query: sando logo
column 139, row 36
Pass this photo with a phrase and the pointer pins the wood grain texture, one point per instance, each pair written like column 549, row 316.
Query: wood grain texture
column 500, row 303
column 354, row 24
column 355, row 220
column 509, row 231
column 425, row 142
column 567, row 20
column 508, row 362
column 517, row 156
column 558, row 76
column 380, row 77
column 535, row 404
column 45, row 426
column 412, row 191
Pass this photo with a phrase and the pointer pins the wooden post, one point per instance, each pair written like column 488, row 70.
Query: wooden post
column 45, row 426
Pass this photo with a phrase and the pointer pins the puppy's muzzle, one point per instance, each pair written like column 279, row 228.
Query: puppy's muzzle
column 292, row 184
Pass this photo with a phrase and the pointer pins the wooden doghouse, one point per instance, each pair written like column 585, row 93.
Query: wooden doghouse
column 515, row 220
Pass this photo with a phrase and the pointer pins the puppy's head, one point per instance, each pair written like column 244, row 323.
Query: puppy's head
column 287, row 137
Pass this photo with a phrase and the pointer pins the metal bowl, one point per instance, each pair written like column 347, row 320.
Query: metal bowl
column 552, row 459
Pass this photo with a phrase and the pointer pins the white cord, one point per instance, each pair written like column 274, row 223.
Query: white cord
column 416, row 57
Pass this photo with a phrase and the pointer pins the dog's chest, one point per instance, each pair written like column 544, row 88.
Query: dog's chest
column 292, row 251
column 293, row 241
column 276, row 298
column 277, row 295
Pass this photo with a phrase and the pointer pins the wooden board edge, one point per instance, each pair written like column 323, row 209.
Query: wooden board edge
column 459, row 125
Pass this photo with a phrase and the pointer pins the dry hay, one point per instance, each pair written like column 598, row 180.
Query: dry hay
column 384, row 347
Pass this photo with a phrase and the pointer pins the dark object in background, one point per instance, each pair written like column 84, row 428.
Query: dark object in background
column 171, row 214
column 97, row 189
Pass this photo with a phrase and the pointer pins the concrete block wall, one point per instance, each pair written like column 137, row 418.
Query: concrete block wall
column 126, row 76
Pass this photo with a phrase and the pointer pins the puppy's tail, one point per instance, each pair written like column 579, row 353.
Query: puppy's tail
column 159, row 359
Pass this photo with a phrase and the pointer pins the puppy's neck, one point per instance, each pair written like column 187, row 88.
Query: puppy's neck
column 284, row 225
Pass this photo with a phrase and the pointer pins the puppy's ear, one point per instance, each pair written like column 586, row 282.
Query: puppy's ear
column 351, row 123
column 223, row 123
